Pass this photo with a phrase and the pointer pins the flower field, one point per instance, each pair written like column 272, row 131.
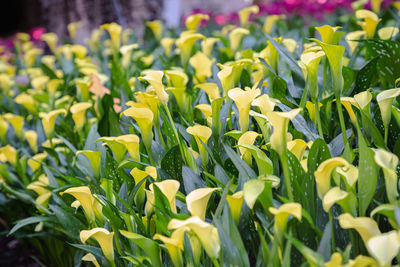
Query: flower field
column 273, row 142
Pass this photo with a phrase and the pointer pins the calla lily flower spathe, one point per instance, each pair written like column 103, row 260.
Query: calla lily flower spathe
column 197, row 201
column 192, row 22
column 10, row 154
column 78, row 111
column 323, row 174
column 156, row 27
column 154, row 77
column 94, row 158
column 131, row 143
column 369, row 22
column 169, row 188
column 36, row 161
column 235, row 202
column 211, row 90
column 185, row 44
column 282, row 215
column 167, row 44
column 329, row 34
column 207, row 45
column 116, row 146
column 115, row 33
column 248, row 138
column 245, row 13
column 202, row 65
column 270, row 21
column 384, row 247
column 388, row 162
column 201, row 134
column 139, row 175
column 365, row 226
column 104, row 238
column 49, row 120
column 236, row 36
column 385, row 101
column 17, row 123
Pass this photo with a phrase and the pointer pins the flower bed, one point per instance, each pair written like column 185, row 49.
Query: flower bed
column 267, row 143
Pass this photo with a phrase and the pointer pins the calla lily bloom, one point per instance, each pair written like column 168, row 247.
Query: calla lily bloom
column 51, row 40
column 116, row 146
column 282, row 215
column 346, row 200
column 297, row 147
column 144, row 118
column 49, row 120
column 185, row 44
column 91, row 206
column 365, row 226
column 385, row 101
column 90, row 257
column 103, row 237
column 265, row 103
column 131, row 143
column 17, row 123
column 53, row 85
column 27, row 101
column 36, row 161
column 211, row 90
column 115, row 33
column 329, row 34
column 39, row 187
column 236, row 36
column 384, row 247
column 154, row 77
column 369, row 23
column 243, row 100
column 311, row 61
column 235, row 202
column 174, row 244
column 192, row 22
column 245, row 13
column 201, row 134
column 197, row 201
column 167, row 44
column 207, row 233
column 78, row 114
column 270, row 21
column 3, row 130
column 169, row 188
column 280, row 122
column 387, row 33
column 207, row 45
column 10, row 154
column 73, row 27
column 247, row 138
column 226, row 77
column 39, row 82
column 347, row 103
column 156, row 27
column 352, row 38
column 202, row 66
column 323, row 174
column 336, row 260
column 139, row 175
column 31, row 137
column 388, row 162
column 206, row 109
column 94, row 158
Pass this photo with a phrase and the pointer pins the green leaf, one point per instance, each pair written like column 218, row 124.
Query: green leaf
column 27, row 221
column 264, row 164
column 365, row 76
column 244, row 169
column 71, row 225
column 172, row 163
column 312, row 257
column 150, row 247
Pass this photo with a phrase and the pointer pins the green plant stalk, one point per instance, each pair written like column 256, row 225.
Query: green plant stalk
column 333, row 245
column 304, row 98
column 148, row 149
column 386, row 134
column 175, row 131
column 318, row 117
column 285, row 166
column 158, row 129
column 341, row 120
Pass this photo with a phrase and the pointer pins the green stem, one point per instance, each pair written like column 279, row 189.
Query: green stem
column 386, row 134
column 304, row 98
column 286, row 173
column 341, row 120
column 150, row 156
column 318, row 117
column 158, row 129
column 174, row 130
column 333, row 245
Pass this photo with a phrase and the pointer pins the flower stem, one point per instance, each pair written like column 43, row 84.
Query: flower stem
column 333, row 245
column 318, row 117
column 286, row 173
column 342, row 124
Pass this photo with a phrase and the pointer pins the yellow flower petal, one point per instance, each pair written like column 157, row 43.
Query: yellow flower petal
column 235, row 202
column 365, row 226
column 388, row 162
column 197, row 201
column 103, row 237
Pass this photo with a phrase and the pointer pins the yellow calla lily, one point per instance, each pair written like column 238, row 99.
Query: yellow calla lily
column 352, row 38
column 152, row 102
column 329, row 34
column 131, row 143
column 207, row 45
column 73, row 27
column 192, row 22
column 82, row 86
column 362, row 261
column 387, row 33
column 365, row 226
column 94, row 158
column 369, row 23
column 236, row 36
column 17, row 123
column 202, row 66
column 311, row 61
column 31, row 55
column 270, row 21
column 245, row 13
column 27, row 101
column 174, row 244
column 206, row 109
column 31, row 138
column 226, row 77
column 117, row 147
column 347, row 103
column 282, row 214
column 265, row 103
column 10, row 154
column 169, row 188
column 115, row 33
column 103, row 237
column 185, row 43
column 235, row 202
column 388, row 162
column 167, row 44
column 311, row 110
column 323, row 174
column 297, row 147
column 201, row 134
column 207, row 233
column 139, row 175
column 211, row 90
column 39, row 82
column 51, row 40
column 79, row 51
column 144, row 118
column 49, row 120
column 89, row 203
column 363, row 99
column 290, row 44
column 247, row 138
column 384, row 247
column 154, row 77
column 243, row 100
column 346, row 200
column 53, row 85
column 40, row 185
column 197, row 201
column 78, row 111
column 156, row 27
column 36, row 161
column 385, row 101
column 280, row 122
column 3, row 130
column 90, row 257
